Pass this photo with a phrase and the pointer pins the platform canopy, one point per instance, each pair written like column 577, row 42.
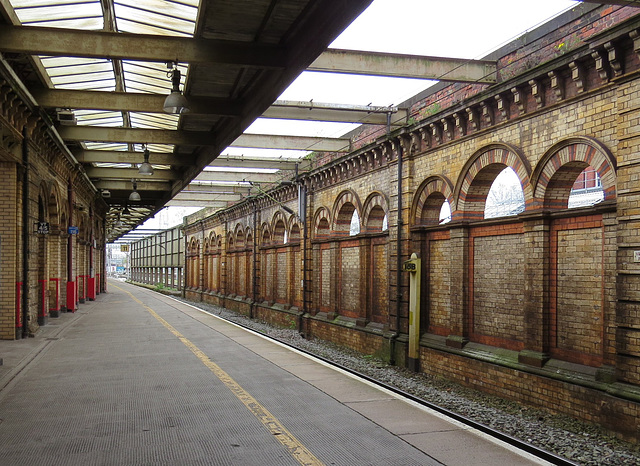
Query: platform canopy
column 105, row 67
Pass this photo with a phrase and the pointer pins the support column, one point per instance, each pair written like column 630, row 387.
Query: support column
column 459, row 275
column 536, row 292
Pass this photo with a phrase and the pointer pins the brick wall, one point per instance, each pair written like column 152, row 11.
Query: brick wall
column 546, row 286
column 497, row 288
column 350, row 280
column 436, row 315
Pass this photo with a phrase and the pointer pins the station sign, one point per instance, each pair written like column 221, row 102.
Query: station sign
column 124, row 248
column 73, row 230
column 42, row 228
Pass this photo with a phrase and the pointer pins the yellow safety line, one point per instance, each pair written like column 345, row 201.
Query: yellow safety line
column 286, row 438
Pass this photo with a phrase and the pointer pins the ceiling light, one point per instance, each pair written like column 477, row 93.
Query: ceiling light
column 175, row 102
column 145, row 167
column 134, row 196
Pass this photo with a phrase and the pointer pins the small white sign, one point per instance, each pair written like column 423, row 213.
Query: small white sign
column 636, row 256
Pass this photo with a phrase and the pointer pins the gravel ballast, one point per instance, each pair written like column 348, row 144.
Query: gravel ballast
column 567, row 437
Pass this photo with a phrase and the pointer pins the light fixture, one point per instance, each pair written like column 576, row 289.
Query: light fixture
column 145, row 167
column 134, row 196
column 175, row 102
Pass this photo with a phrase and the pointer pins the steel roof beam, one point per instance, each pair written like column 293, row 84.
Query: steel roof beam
column 119, row 185
column 183, row 203
column 129, row 173
column 152, row 103
column 59, row 42
column 240, row 176
column 270, row 141
column 191, row 196
column 312, row 111
column 258, row 162
column 193, row 138
column 217, row 188
column 405, row 66
column 156, row 158
column 129, row 102
column 135, row 135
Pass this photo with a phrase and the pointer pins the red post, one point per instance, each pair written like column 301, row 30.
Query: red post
column 91, row 289
column 55, row 311
column 18, row 310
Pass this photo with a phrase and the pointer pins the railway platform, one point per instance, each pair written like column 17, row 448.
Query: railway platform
column 138, row 378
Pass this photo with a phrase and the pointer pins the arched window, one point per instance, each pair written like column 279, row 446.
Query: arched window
column 586, row 190
column 445, row 213
column 505, row 197
column 354, row 227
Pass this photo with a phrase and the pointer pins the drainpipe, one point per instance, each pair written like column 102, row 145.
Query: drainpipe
column 400, row 224
column 185, row 267
column 302, row 193
column 201, row 264
column 71, row 200
column 25, row 234
column 254, row 277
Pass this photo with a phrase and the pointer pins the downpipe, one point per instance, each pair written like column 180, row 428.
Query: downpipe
column 25, row 234
column 400, row 224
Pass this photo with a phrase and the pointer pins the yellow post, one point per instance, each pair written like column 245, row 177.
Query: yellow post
column 413, row 267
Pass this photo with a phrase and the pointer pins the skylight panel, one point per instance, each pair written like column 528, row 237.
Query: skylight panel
column 156, row 17
column 60, row 13
column 153, row 120
column 106, row 146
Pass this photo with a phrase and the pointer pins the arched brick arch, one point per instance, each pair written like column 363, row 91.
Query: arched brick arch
column 376, row 207
column 428, row 200
column 478, row 175
column 342, row 213
column 279, row 227
column 239, row 236
column 563, row 162
column 321, row 226
column 54, row 205
column 213, row 242
column 266, row 234
column 194, row 246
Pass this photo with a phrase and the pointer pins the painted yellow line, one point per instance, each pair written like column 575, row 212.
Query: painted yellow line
column 286, row 438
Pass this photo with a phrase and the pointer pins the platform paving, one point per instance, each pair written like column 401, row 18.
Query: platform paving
column 137, row 378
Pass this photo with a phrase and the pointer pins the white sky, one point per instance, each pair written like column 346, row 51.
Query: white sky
column 457, row 28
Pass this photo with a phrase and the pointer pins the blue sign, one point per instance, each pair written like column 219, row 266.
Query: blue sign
column 73, row 230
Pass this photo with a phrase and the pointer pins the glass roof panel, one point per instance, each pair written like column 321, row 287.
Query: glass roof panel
column 59, row 13
column 98, row 118
column 106, row 146
column 153, row 120
column 156, row 17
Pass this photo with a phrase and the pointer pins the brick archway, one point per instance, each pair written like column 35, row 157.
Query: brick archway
column 376, row 207
column 428, row 200
column 342, row 214
column 478, row 175
column 563, row 162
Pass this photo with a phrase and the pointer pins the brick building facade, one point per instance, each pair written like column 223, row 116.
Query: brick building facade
column 540, row 306
column 52, row 229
